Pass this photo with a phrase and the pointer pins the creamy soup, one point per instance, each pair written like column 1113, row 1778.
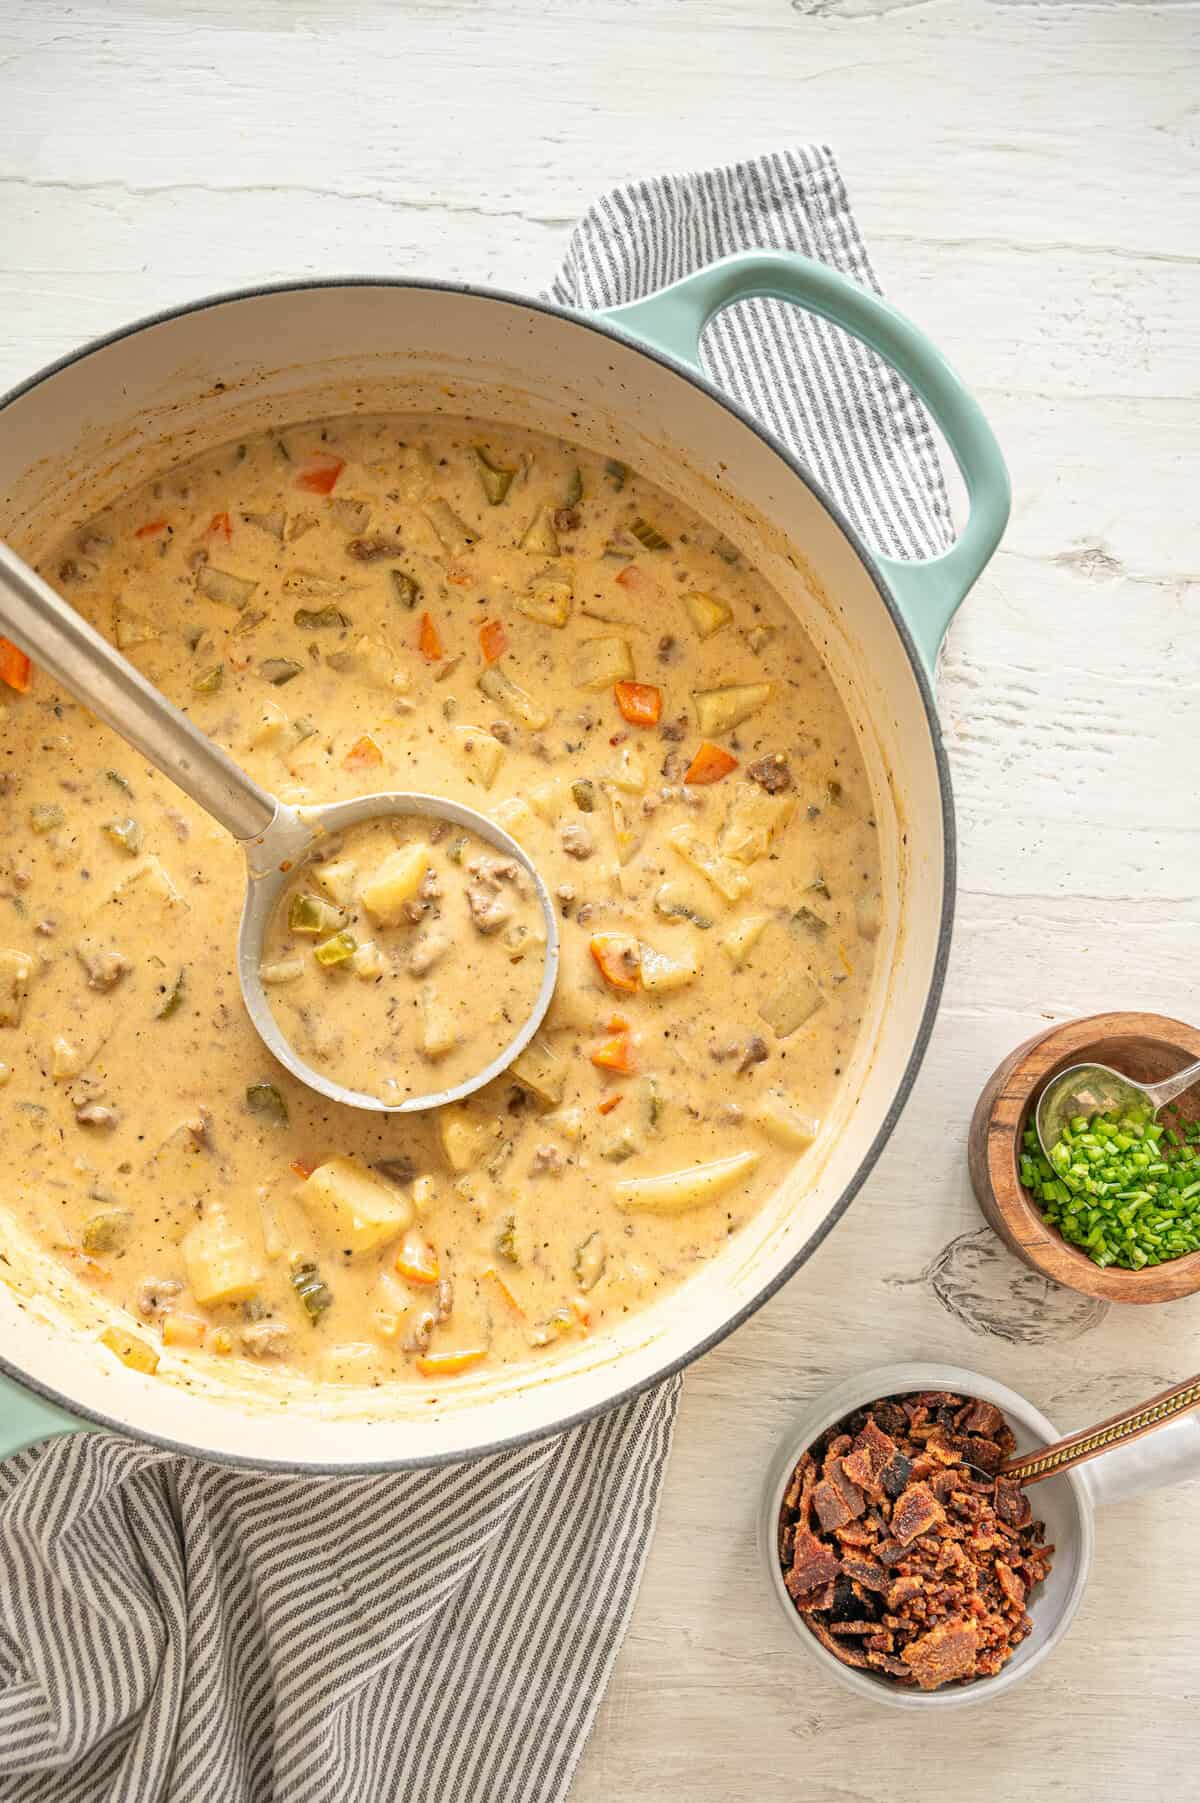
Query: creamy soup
column 404, row 957
column 439, row 605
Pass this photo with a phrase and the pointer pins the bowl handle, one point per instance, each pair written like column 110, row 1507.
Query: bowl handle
column 1169, row 1455
column 927, row 592
column 25, row 1418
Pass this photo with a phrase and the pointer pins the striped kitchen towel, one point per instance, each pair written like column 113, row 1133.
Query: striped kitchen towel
column 176, row 1632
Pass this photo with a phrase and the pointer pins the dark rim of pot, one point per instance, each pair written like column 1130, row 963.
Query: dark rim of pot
column 687, row 373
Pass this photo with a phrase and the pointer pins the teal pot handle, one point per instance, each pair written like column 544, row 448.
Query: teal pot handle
column 928, row 593
column 25, row 1419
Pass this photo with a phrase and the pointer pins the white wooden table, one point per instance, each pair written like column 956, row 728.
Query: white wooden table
column 1026, row 175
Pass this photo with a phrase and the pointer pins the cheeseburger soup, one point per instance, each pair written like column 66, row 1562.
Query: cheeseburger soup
column 440, row 605
column 404, row 957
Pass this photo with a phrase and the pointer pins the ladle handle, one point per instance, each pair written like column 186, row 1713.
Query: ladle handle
column 1130, row 1424
column 86, row 665
column 1170, row 1087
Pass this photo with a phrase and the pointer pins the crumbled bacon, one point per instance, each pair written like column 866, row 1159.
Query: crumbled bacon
column 902, row 1548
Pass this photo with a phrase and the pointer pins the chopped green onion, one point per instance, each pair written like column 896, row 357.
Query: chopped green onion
column 1122, row 1187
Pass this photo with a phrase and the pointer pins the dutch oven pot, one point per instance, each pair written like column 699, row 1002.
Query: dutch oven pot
column 628, row 384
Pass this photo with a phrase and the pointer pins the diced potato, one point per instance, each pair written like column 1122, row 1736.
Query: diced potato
column 139, row 904
column 358, row 1211
column 674, row 1191
column 517, row 818
column 66, row 1059
column 183, row 1330
column 661, row 973
column 395, row 882
column 423, row 1192
column 549, row 799
column 868, row 914
column 368, row 962
column 285, row 970
column 439, row 1029
column 727, row 878
column 182, row 1170
column 755, row 819
column 706, row 613
column 130, row 627
column 741, row 939
column 718, row 711
column 453, row 531
column 782, row 1121
column 416, row 478
column 791, row 1005
column 130, row 1350
column 540, row 1070
column 16, row 968
column 482, row 753
column 599, row 663
column 336, row 880
column 515, row 701
column 462, row 1138
column 568, row 1123
column 355, row 1362
column 540, row 535
column 629, row 771
column 220, row 1262
column 270, row 726
column 549, row 598
column 627, row 828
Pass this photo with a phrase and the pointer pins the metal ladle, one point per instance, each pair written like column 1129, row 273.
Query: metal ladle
column 1098, row 1089
column 274, row 836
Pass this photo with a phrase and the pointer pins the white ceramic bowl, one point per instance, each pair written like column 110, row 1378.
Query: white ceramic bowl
column 1063, row 1503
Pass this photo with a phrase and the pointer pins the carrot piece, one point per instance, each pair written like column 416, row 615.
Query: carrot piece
column 710, row 764
column 618, row 958
column 617, row 1024
column 220, row 526
column 504, row 1290
column 320, row 473
column 449, row 1364
column 87, row 1267
column 363, row 753
column 608, row 1104
column 417, row 1259
column 615, row 1054
column 630, row 577
column 151, row 529
column 429, row 640
column 640, row 702
column 493, row 640
column 582, row 1313
column 15, row 668
column 299, row 1169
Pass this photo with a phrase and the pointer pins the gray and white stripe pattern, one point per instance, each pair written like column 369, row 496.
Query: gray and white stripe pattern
column 179, row 1632
column 838, row 406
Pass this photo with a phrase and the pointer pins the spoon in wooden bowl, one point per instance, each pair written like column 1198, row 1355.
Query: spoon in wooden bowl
column 273, row 836
column 1098, row 1089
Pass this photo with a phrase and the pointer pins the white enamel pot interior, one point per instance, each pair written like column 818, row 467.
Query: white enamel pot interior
column 78, row 435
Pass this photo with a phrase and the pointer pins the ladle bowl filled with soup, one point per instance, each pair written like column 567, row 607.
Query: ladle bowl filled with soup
column 681, row 691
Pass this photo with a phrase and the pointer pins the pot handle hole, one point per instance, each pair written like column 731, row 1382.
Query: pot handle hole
column 25, row 1419
column 928, row 592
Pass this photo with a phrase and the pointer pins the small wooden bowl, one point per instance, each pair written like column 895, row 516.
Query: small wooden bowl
column 1147, row 1047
